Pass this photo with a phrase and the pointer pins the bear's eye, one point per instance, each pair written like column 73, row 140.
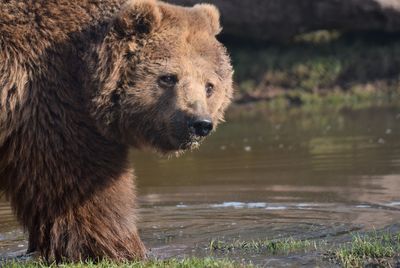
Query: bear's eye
column 169, row 80
column 209, row 89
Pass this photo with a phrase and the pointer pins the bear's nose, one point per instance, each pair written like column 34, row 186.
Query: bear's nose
column 201, row 126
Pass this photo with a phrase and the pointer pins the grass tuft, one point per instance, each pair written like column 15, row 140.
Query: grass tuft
column 284, row 246
column 377, row 249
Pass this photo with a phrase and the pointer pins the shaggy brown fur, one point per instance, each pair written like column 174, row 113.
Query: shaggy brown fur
column 80, row 82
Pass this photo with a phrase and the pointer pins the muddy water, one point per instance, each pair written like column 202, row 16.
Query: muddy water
column 266, row 175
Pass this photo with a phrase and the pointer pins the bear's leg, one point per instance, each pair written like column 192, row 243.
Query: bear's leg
column 103, row 225
column 32, row 247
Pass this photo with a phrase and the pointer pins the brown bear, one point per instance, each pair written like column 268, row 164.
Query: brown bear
column 81, row 81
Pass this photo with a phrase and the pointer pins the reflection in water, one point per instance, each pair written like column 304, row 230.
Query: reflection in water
column 304, row 175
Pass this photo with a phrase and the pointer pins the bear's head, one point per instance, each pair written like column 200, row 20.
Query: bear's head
column 163, row 79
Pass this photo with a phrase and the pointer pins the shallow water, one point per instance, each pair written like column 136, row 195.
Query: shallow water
column 304, row 175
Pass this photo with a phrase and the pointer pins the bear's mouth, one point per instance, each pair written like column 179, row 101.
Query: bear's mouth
column 175, row 138
column 188, row 143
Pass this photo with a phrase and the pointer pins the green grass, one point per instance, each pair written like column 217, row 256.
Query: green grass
column 283, row 246
column 172, row 263
column 378, row 249
column 317, row 64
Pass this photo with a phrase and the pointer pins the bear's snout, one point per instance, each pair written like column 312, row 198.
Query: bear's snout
column 200, row 126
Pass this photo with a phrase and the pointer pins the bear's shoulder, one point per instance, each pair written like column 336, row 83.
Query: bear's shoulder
column 33, row 25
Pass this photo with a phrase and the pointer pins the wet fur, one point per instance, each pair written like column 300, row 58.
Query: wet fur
column 67, row 117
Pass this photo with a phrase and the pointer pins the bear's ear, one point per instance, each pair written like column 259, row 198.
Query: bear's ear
column 138, row 17
column 212, row 15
